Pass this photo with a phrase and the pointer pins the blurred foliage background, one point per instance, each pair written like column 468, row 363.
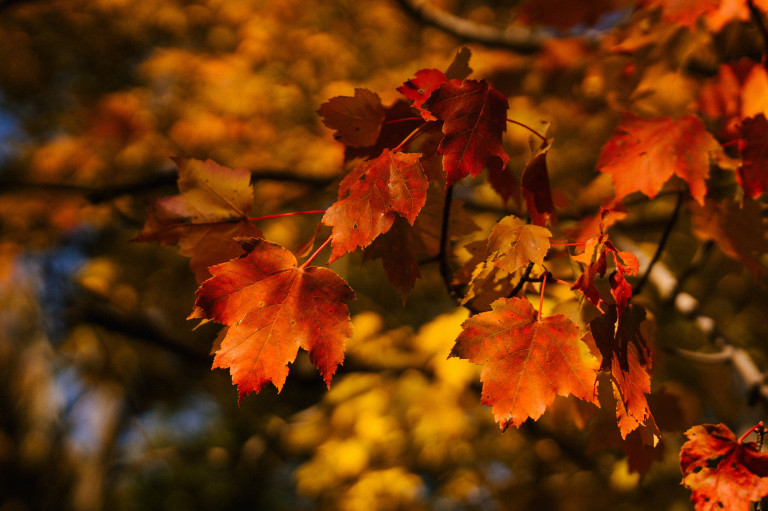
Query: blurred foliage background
column 107, row 397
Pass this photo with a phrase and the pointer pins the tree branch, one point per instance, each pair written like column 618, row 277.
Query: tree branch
column 158, row 181
column 520, row 39
column 442, row 256
column 660, row 247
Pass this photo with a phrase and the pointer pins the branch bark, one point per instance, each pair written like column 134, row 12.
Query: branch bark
column 519, row 39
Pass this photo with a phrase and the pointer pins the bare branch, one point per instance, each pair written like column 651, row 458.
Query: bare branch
column 520, row 39
column 162, row 180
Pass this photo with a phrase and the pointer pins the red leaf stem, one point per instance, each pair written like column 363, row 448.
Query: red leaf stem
column 280, row 215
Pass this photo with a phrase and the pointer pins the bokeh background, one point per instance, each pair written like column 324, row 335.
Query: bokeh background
column 107, row 400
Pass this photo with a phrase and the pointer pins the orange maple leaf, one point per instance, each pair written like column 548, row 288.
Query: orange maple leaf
column 513, row 243
column 595, row 257
column 716, row 13
column 211, row 210
column 273, row 307
column 528, row 360
column 357, row 120
column 643, row 154
column 474, row 116
column 371, row 196
column 722, row 472
column 625, row 355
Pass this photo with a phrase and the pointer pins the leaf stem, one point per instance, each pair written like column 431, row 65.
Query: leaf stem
column 566, row 244
column 759, row 427
column 280, row 215
column 407, row 139
column 660, row 247
column 312, row 257
column 404, row 119
column 541, row 297
column 542, row 137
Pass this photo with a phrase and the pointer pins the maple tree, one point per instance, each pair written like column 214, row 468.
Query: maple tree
column 528, row 248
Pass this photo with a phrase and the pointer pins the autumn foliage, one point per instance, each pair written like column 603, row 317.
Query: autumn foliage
column 271, row 305
column 447, row 175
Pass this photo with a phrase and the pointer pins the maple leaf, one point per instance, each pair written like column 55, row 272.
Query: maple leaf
column 716, row 13
column 419, row 88
column 459, row 68
column 739, row 230
column 625, row 355
column 528, row 360
column 357, row 120
column 397, row 250
column 513, row 243
column 398, row 123
column 371, row 196
column 595, row 257
column 474, row 116
column 273, row 307
column 752, row 174
column 643, row 154
column 722, row 472
column 401, row 248
column 212, row 209
column 505, row 183
column 536, row 189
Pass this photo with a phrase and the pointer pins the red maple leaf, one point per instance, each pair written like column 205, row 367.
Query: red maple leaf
column 357, row 120
column 419, row 88
column 371, row 196
column 398, row 123
column 536, row 189
column 752, row 174
column 643, row 154
column 528, row 360
column 625, row 355
column 212, row 209
column 595, row 257
column 397, row 249
column 722, row 472
column 474, row 116
column 273, row 307
column 401, row 248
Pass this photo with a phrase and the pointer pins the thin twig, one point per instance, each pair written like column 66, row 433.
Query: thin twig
column 523, row 280
column 660, row 247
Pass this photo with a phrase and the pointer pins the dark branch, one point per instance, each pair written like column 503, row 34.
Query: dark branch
column 660, row 247
column 523, row 280
column 442, row 256
column 96, row 311
column 159, row 181
column 520, row 39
